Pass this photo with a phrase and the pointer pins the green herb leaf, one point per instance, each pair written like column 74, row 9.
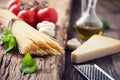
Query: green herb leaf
column 9, row 41
column 28, row 64
column 5, row 39
column 6, row 45
column 105, row 24
column 6, row 31
column 12, row 44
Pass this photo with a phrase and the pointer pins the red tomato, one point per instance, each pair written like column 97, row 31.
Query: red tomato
column 12, row 2
column 15, row 9
column 47, row 14
column 29, row 16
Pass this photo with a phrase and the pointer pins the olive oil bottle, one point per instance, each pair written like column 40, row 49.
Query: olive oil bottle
column 89, row 23
column 85, row 32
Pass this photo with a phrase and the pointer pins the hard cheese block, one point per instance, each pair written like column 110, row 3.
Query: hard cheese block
column 97, row 46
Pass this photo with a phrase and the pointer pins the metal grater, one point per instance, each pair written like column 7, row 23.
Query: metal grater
column 93, row 72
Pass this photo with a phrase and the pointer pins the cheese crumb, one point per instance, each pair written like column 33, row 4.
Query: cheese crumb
column 73, row 43
column 47, row 28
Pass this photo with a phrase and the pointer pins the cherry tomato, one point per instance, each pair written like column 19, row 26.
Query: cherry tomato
column 15, row 9
column 47, row 14
column 12, row 2
column 29, row 16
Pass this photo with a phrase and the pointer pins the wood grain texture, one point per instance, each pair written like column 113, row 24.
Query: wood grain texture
column 48, row 67
column 107, row 9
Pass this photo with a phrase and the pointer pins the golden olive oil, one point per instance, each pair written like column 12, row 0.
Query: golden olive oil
column 85, row 32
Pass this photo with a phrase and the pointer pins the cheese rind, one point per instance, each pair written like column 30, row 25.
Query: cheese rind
column 97, row 46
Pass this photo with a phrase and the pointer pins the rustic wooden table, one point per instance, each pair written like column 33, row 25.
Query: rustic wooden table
column 109, row 10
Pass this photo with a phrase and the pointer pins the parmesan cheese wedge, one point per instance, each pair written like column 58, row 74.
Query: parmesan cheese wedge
column 97, row 46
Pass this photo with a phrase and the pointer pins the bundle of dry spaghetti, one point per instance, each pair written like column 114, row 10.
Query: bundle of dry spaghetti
column 28, row 38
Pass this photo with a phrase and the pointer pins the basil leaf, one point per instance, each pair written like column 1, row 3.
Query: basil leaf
column 12, row 44
column 28, row 64
column 33, row 68
column 9, row 41
column 105, row 24
column 6, row 31
column 5, row 39
column 6, row 45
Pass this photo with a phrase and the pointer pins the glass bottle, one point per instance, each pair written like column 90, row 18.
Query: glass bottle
column 89, row 23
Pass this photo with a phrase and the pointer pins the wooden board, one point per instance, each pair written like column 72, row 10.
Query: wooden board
column 48, row 68
column 110, row 10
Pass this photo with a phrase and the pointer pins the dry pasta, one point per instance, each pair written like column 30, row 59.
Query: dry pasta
column 28, row 38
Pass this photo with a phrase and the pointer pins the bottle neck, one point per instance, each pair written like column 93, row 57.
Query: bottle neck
column 92, row 7
column 92, row 11
column 83, row 6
